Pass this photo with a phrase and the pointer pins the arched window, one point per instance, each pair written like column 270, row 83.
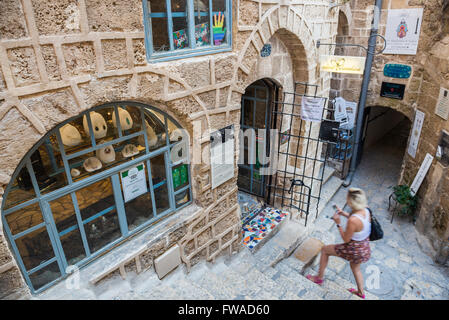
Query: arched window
column 86, row 186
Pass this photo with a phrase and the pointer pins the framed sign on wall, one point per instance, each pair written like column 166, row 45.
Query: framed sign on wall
column 392, row 90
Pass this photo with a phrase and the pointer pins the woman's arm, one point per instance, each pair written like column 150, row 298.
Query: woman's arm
column 351, row 227
column 346, row 235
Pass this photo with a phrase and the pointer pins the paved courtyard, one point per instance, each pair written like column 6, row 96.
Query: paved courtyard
column 405, row 270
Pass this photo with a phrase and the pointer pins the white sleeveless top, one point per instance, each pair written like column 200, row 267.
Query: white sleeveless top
column 362, row 235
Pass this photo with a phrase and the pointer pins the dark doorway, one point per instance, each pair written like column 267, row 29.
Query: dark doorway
column 256, row 113
column 387, row 127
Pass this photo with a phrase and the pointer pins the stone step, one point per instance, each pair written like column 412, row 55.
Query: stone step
column 301, row 281
column 329, row 189
column 328, row 173
column 213, row 284
column 263, row 280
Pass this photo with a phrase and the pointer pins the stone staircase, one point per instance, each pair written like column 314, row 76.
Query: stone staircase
column 241, row 277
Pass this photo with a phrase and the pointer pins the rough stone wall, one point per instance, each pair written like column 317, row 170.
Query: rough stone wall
column 62, row 57
column 430, row 71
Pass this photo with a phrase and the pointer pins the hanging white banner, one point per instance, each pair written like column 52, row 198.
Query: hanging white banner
column 421, row 174
column 403, row 30
column 416, row 133
column 340, row 114
column 351, row 109
column 312, row 109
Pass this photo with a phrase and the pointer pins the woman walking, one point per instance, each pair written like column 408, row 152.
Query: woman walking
column 356, row 247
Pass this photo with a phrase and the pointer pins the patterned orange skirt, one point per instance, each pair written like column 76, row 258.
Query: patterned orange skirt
column 354, row 251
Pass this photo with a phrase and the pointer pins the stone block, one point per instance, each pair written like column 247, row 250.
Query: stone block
column 57, row 17
column 111, row 15
column 308, row 250
column 23, row 66
column 12, row 22
column 167, row 261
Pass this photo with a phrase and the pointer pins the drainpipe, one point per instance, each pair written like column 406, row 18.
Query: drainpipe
column 364, row 93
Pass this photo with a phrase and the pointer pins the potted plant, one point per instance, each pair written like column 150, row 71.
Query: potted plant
column 406, row 200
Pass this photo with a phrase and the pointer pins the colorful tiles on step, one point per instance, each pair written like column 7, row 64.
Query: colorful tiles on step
column 261, row 226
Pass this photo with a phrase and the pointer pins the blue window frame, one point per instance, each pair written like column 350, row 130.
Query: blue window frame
column 62, row 209
column 183, row 28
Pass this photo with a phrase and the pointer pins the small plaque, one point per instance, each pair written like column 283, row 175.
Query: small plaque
column 266, row 50
column 399, row 71
column 392, row 90
column 442, row 107
column 443, row 146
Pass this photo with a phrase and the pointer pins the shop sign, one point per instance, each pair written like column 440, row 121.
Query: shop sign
column 399, row 71
column 425, row 166
column 416, row 133
column 329, row 131
column 392, row 90
column 312, row 109
column 403, row 30
column 222, row 154
column 342, row 64
column 442, row 107
column 134, row 182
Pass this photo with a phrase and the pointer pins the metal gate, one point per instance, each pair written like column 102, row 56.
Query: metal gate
column 303, row 150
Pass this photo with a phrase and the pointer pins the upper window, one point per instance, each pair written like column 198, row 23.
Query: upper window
column 180, row 28
column 90, row 183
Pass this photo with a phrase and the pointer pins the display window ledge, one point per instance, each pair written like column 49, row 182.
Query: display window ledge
column 124, row 252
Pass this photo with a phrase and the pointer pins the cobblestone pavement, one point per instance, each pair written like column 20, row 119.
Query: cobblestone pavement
column 406, row 272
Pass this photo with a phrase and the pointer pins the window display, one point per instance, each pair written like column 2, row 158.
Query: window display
column 66, row 203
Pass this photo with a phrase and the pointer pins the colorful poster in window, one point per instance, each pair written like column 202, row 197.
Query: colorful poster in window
column 202, row 35
column 134, row 182
column 403, row 30
column 219, row 29
column 180, row 39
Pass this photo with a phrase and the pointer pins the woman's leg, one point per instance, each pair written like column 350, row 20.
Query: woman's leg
column 358, row 276
column 326, row 252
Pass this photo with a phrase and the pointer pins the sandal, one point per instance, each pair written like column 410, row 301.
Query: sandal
column 315, row 279
column 356, row 292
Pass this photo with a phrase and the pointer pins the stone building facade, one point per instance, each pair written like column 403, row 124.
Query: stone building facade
column 61, row 58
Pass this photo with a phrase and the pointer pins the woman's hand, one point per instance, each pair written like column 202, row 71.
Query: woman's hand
column 336, row 217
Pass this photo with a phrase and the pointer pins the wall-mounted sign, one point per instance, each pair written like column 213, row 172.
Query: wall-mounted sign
column 399, row 71
column 329, row 130
column 392, row 90
column 351, row 110
column 266, row 50
column 222, row 151
column 416, row 133
column 442, row 107
column 403, row 30
column 134, row 182
column 312, row 109
column 425, row 166
column 342, row 64
column 443, row 149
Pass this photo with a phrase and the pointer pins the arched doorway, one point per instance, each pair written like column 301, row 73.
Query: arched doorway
column 385, row 136
column 256, row 115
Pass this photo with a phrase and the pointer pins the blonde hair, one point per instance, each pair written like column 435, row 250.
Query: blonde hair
column 357, row 199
